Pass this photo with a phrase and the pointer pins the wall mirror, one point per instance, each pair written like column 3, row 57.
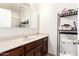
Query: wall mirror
column 20, row 15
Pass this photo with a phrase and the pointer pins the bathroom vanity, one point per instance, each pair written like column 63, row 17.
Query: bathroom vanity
column 31, row 46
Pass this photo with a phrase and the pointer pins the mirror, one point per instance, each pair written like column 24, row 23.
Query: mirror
column 21, row 15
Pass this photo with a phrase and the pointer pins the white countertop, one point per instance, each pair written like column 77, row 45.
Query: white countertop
column 10, row 44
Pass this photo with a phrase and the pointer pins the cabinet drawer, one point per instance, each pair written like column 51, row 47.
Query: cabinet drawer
column 32, row 45
column 14, row 52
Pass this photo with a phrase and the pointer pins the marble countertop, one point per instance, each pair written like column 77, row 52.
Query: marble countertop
column 14, row 43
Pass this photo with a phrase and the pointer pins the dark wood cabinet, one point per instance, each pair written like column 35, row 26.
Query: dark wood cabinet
column 14, row 52
column 35, row 52
column 30, row 53
column 45, row 46
column 38, row 51
column 35, row 48
column 33, row 45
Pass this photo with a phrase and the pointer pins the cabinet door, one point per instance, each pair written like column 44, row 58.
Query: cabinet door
column 45, row 48
column 35, row 52
column 30, row 53
column 38, row 50
column 32, row 45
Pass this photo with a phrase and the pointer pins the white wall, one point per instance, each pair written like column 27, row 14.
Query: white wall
column 48, row 22
column 48, row 25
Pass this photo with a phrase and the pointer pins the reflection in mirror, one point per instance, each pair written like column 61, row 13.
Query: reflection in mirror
column 25, row 14
column 18, row 15
column 5, row 18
